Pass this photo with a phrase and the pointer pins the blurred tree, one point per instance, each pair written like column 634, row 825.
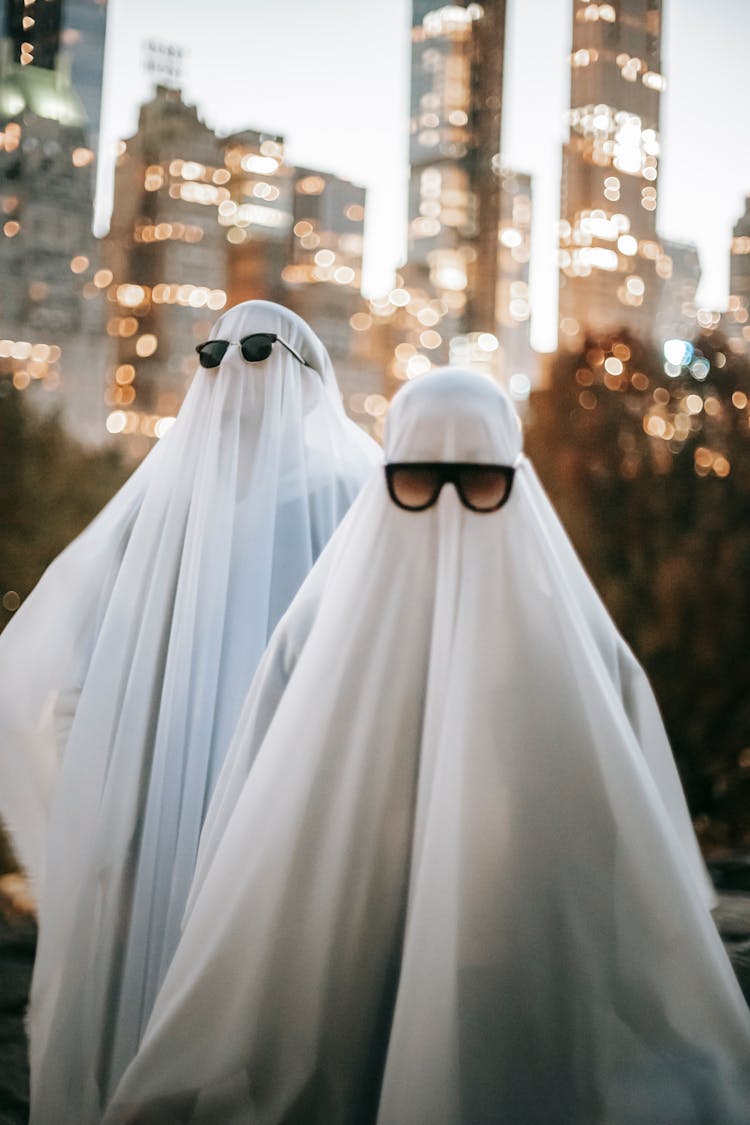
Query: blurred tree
column 648, row 465
column 50, row 488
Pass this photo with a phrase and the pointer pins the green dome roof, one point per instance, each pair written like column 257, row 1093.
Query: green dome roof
column 47, row 93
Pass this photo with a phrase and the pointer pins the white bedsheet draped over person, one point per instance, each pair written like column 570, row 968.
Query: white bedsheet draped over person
column 459, row 885
column 123, row 675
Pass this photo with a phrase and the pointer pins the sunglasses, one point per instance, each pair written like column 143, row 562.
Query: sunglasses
column 254, row 349
column 416, row 485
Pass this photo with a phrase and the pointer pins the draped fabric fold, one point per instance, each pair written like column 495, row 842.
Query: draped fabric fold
column 124, row 673
column 448, row 876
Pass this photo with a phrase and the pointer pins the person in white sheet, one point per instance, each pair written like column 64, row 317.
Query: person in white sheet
column 448, row 876
column 123, row 675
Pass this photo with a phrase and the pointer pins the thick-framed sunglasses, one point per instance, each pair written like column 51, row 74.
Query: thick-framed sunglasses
column 416, row 485
column 254, row 348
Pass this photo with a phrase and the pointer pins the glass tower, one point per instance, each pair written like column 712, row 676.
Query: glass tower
column 462, row 295
column 41, row 30
column 739, row 268
column 736, row 322
column 82, row 37
column 34, row 31
column 455, row 190
column 612, row 263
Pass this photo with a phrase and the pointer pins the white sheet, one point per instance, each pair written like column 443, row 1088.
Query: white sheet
column 448, row 877
column 122, row 676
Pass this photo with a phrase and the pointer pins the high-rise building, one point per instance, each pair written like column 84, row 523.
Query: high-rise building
column 462, row 295
column 40, row 31
column 49, row 316
column 258, row 215
column 739, row 267
column 324, row 277
column 454, row 187
column 739, row 262
column 680, row 272
column 610, row 254
column 34, row 31
column 82, row 38
column 166, row 275
column 202, row 222
column 736, row 321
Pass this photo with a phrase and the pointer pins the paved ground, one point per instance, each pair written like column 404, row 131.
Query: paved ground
column 18, row 938
column 733, row 919
column 17, row 943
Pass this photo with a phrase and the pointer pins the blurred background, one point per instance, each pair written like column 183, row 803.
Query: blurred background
column 554, row 193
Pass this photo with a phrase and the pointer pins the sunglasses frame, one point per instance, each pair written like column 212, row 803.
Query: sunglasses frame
column 272, row 336
column 449, row 472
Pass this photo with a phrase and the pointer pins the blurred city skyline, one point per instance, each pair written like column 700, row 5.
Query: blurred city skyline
column 346, row 109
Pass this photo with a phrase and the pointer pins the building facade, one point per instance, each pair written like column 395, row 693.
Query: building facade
column 166, row 263
column 82, row 39
column 739, row 262
column 323, row 279
column 457, row 54
column 680, row 274
column 736, row 321
column 454, row 190
column 51, row 341
column 611, row 267
column 34, row 31
column 40, row 31
column 258, row 216
column 201, row 223
column 462, row 296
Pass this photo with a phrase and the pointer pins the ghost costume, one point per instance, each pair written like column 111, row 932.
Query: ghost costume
column 124, row 673
column 448, row 876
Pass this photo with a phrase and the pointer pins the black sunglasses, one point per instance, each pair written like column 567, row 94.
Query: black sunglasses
column 254, row 349
column 416, row 485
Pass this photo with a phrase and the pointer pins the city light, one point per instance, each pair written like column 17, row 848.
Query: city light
column 519, row 386
column 678, row 352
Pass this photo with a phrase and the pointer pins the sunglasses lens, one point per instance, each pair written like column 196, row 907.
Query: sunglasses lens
column 212, row 353
column 483, row 487
column 415, row 486
column 257, row 347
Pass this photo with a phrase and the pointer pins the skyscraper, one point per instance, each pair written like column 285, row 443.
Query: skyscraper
column 609, row 249
column 49, row 318
column 462, row 295
column 258, row 215
column 40, row 30
column 680, row 272
column 736, row 322
column 82, row 39
column 739, row 267
column 324, row 279
column 166, row 275
column 454, row 187
column 34, row 31
column 202, row 222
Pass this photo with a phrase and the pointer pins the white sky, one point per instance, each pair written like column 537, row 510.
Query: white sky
column 333, row 77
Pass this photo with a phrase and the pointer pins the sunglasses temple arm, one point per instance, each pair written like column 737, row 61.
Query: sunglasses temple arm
column 296, row 354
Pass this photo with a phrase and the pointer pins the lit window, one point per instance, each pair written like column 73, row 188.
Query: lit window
column 311, row 185
column 654, row 81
